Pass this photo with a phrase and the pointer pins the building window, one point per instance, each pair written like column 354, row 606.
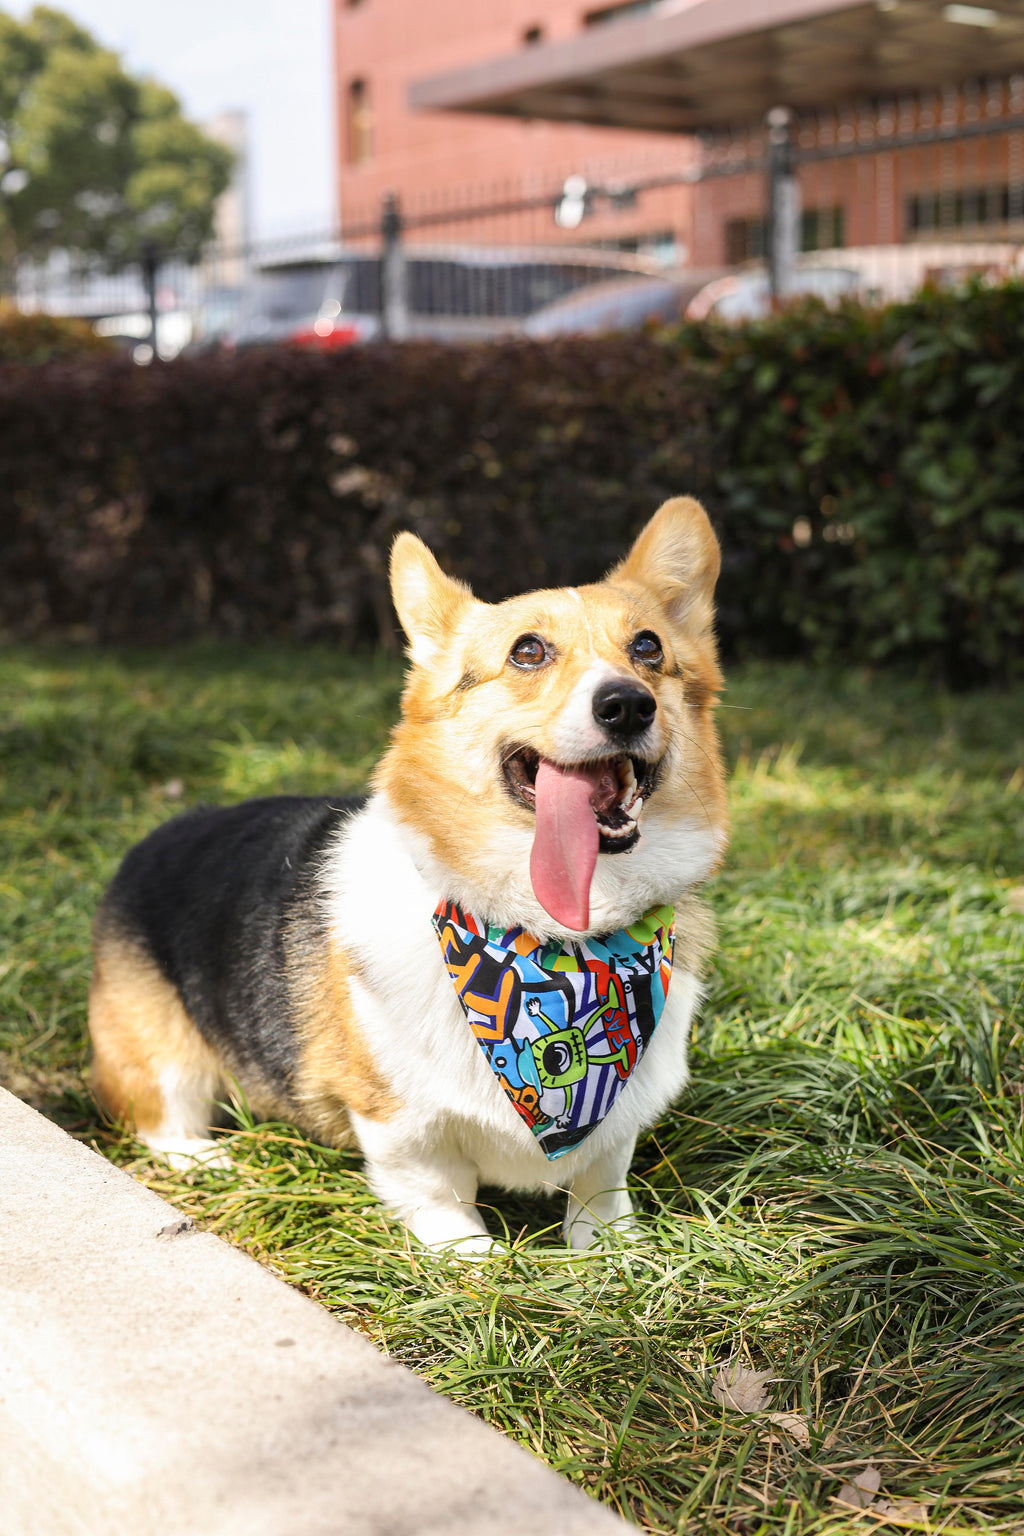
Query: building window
column 532, row 36
column 359, row 147
column 959, row 208
column 821, row 229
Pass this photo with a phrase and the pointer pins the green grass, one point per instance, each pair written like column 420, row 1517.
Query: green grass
column 838, row 1199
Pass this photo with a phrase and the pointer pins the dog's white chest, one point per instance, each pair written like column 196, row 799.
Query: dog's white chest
column 421, row 1041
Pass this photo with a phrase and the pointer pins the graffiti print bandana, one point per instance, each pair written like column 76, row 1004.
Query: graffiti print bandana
column 562, row 1026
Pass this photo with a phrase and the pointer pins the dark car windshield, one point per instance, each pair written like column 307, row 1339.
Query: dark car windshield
column 295, row 294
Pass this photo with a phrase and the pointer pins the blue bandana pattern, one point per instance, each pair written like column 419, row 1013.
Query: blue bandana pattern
column 562, row 1026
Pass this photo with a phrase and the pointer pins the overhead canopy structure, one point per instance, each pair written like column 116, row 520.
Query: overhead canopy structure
column 684, row 65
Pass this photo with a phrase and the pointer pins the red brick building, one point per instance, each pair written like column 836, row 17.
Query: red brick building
column 909, row 116
column 431, row 158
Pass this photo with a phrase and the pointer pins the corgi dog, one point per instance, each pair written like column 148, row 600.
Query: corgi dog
column 484, row 972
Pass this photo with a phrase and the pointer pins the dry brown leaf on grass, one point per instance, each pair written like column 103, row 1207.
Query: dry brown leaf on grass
column 794, row 1424
column 737, row 1387
column 1015, row 899
column 902, row 1509
column 861, row 1491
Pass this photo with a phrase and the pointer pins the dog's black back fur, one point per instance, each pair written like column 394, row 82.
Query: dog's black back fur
column 209, row 896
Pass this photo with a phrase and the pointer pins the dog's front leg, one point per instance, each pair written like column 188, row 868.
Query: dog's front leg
column 431, row 1190
column 598, row 1199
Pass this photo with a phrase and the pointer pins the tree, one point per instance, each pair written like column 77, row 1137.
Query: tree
column 92, row 159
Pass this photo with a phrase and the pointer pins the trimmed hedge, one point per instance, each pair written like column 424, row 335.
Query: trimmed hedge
column 259, row 493
column 890, row 442
column 865, row 470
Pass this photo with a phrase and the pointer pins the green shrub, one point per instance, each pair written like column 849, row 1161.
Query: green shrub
column 39, row 338
column 888, row 443
column 865, row 470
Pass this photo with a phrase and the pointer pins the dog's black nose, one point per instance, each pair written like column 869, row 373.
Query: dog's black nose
column 624, row 709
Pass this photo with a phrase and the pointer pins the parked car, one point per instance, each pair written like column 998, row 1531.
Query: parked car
column 890, row 273
column 451, row 292
column 876, row 274
column 748, row 296
column 304, row 302
column 619, row 304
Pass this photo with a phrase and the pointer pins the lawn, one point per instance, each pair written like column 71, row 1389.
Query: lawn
column 838, row 1200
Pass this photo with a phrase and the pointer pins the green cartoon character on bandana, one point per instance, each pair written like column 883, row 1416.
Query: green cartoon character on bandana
column 561, row 1057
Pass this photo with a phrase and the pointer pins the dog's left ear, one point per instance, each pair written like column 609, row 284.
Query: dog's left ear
column 676, row 557
column 427, row 602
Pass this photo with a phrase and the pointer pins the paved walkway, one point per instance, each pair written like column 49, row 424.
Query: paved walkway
column 162, row 1384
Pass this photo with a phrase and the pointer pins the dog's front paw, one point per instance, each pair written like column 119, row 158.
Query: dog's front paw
column 186, row 1153
column 454, row 1230
column 588, row 1234
column 478, row 1246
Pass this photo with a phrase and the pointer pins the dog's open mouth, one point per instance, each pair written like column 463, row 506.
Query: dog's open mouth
column 621, row 786
column 582, row 809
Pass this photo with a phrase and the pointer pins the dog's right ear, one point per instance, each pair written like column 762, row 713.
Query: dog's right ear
column 428, row 602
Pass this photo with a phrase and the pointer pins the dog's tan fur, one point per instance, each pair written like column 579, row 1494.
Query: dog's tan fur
column 139, row 1028
column 337, row 1072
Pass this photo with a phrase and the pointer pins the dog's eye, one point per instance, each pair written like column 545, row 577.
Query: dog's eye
column 646, row 647
column 528, row 651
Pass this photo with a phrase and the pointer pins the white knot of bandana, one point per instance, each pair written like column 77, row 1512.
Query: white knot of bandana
column 562, row 1025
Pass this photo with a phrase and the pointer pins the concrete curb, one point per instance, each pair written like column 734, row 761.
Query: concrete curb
column 171, row 1387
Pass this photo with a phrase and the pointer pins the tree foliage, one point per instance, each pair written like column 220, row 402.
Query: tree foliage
column 91, row 158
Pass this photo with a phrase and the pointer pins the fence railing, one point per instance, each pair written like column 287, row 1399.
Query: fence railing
column 899, row 190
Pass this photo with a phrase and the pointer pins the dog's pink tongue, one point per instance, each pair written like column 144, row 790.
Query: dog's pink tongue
column 566, row 841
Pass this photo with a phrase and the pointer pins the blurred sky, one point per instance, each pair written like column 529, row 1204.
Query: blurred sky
column 270, row 57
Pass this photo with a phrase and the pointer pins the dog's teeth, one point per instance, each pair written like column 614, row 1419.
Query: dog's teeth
column 636, row 807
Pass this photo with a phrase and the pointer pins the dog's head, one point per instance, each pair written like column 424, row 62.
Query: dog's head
column 556, row 753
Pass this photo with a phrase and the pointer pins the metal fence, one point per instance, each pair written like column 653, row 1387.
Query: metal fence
column 325, row 285
column 874, row 198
